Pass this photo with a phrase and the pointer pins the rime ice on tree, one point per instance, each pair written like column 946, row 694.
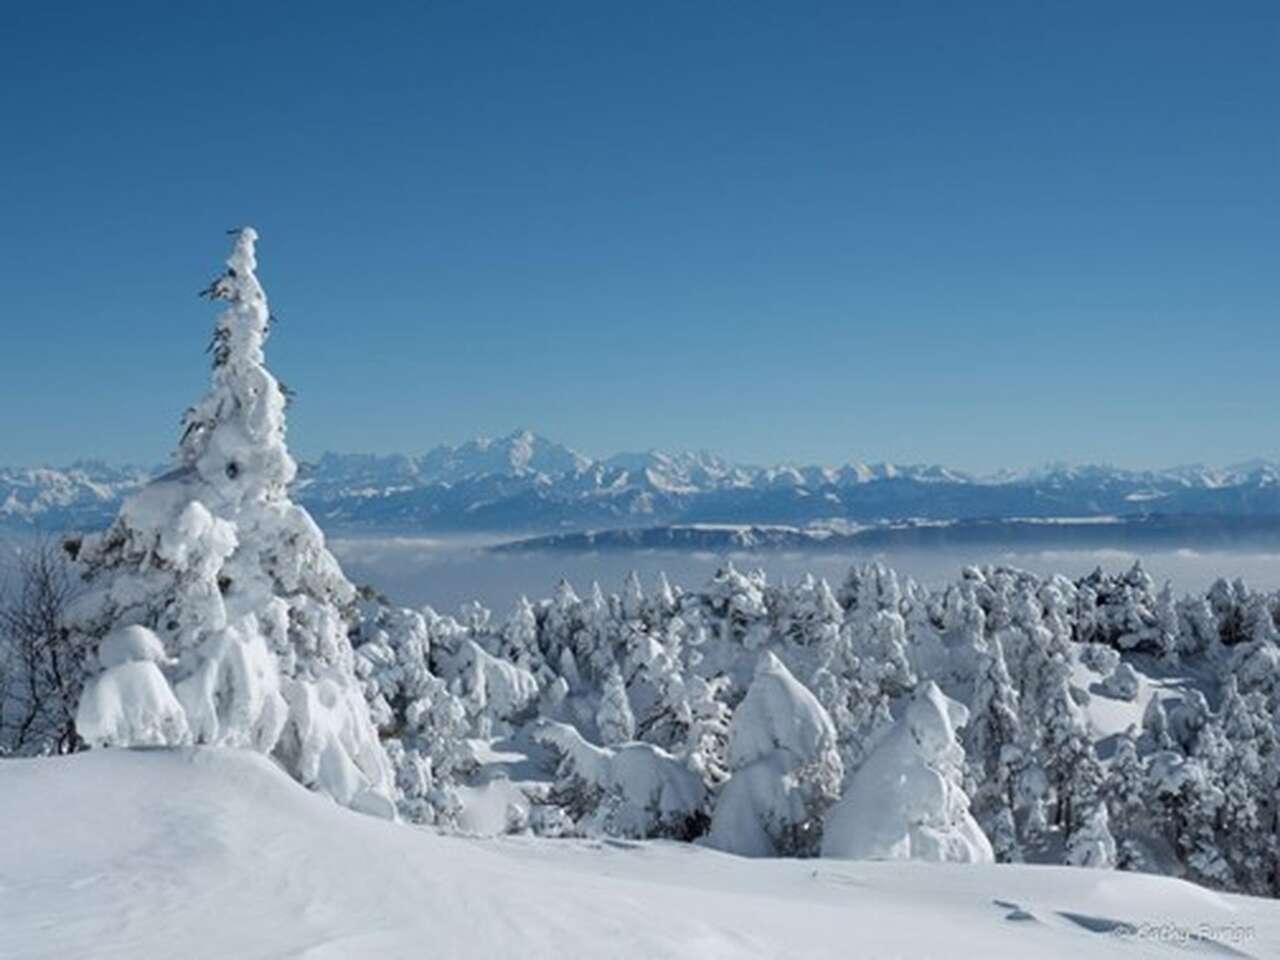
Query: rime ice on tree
column 235, row 580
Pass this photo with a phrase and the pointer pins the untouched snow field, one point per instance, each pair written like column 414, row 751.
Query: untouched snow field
column 216, row 853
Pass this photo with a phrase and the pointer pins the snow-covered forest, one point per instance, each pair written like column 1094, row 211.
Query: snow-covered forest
column 1101, row 723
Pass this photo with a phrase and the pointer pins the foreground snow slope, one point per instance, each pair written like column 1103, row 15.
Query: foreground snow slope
column 216, row 853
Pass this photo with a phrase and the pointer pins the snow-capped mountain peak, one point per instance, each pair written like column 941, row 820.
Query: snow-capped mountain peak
column 524, row 482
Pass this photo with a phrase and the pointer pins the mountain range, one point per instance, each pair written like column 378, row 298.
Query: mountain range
column 526, row 484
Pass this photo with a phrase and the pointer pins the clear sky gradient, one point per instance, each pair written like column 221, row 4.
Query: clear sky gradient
column 986, row 234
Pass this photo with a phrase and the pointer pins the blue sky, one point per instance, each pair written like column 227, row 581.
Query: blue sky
column 985, row 234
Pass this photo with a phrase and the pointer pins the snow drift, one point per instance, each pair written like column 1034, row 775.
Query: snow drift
column 207, row 852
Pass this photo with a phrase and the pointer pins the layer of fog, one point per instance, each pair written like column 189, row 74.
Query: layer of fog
column 447, row 573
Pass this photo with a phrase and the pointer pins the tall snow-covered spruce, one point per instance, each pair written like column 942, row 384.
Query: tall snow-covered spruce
column 250, row 610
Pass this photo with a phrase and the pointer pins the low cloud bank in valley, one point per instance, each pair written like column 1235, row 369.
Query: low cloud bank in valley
column 446, row 572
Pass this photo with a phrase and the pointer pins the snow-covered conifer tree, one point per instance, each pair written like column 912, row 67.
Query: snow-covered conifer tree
column 561, row 624
column 926, row 622
column 1091, row 843
column 964, row 631
column 1258, row 623
column 594, row 636
column 520, row 641
column 1155, row 725
column 706, row 744
column 664, row 599
column 1186, row 804
column 629, row 790
column 1123, row 792
column 1189, row 714
column 1226, row 600
column 424, row 725
column 786, row 770
column 614, row 719
column 808, row 614
column 234, row 578
column 633, row 599
column 1197, row 627
column 1069, row 760
column 993, row 728
column 737, row 599
column 1239, row 749
column 906, row 801
column 657, row 687
column 1168, row 626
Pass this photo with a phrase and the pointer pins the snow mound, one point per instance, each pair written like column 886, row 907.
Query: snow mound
column 211, row 852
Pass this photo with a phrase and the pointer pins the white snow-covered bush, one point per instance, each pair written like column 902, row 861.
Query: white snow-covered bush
column 631, row 789
column 235, row 581
column 785, row 769
column 906, row 801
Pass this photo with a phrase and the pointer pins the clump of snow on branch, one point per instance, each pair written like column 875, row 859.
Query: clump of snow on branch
column 130, row 702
